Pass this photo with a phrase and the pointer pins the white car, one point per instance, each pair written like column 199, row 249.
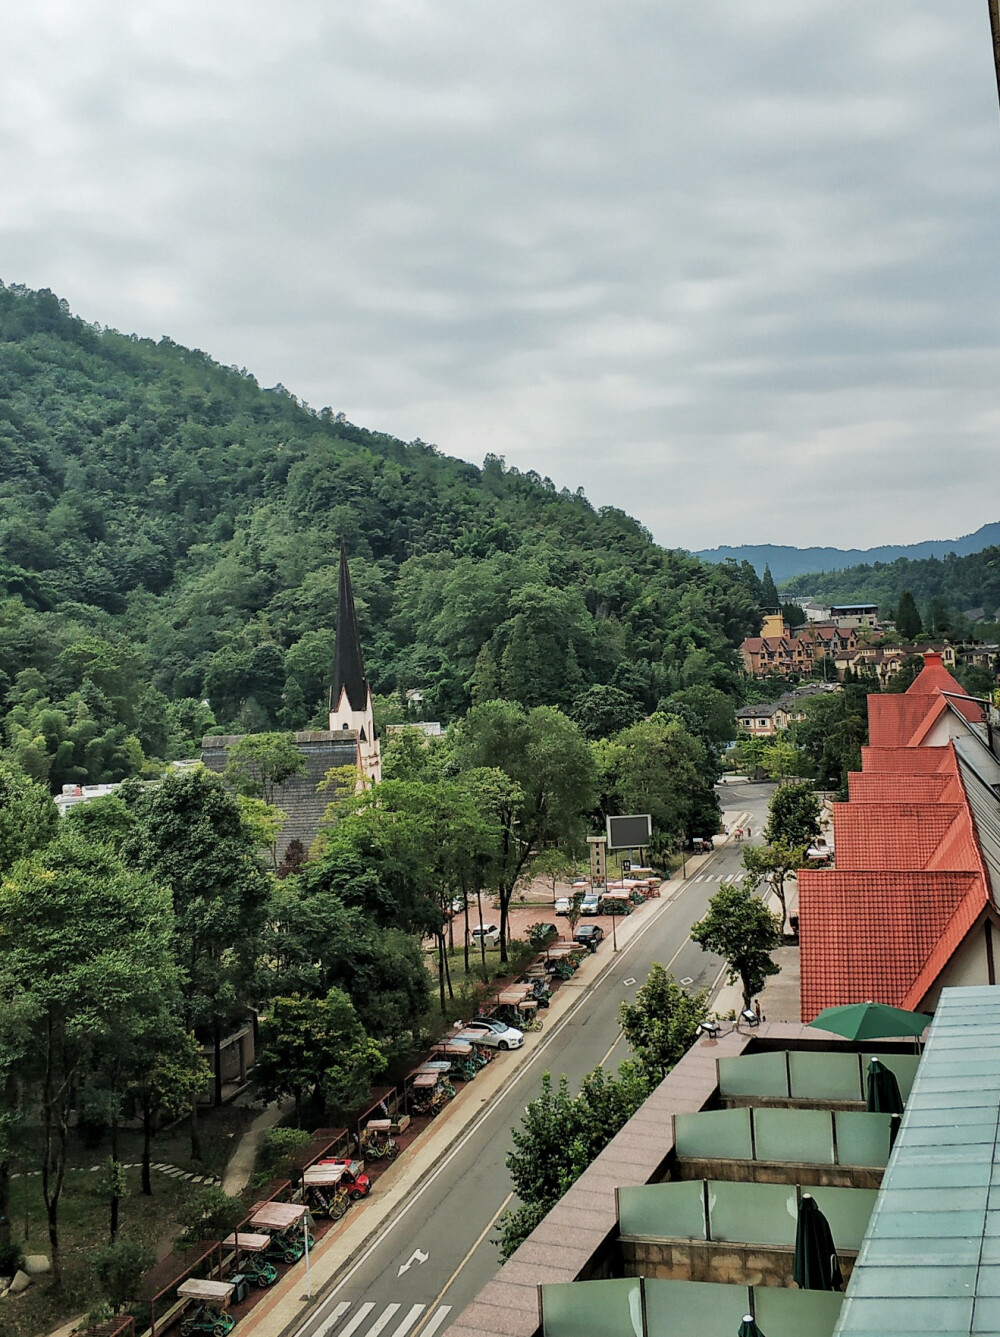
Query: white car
column 494, row 1033
column 488, row 933
column 591, row 905
column 562, row 906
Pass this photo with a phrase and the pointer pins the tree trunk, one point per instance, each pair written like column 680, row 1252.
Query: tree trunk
column 441, row 948
column 217, row 1044
column 5, row 1224
column 447, row 976
column 778, row 887
column 482, row 940
column 115, row 1201
column 147, row 1139
column 195, row 1131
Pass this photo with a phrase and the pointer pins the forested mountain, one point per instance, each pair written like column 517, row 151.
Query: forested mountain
column 943, row 589
column 169, row 535
column 786, row 562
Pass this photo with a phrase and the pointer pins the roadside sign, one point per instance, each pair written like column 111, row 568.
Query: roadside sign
column 626, row 865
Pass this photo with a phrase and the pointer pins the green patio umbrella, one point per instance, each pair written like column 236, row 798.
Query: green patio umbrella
column 748, row 1328
column 870, row 1021
column 816, row 1266
column 883, row 1090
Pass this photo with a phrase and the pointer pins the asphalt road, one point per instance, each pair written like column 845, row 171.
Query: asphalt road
column 444, row 1231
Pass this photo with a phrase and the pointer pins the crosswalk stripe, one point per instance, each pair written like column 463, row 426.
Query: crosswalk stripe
column 384, row 1321
column 408, row 1322
column 333, row 1319
column 358, row 1319
column 700, row 879
column 440, row 1314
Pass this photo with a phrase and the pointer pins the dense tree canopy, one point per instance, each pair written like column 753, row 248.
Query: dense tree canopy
column 169, row 536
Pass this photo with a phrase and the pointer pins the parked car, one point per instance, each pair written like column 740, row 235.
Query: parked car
column 354, row 1178
column 590, row 935
column 562, row 906
column 488, row 933
column 591, row 905
column 497, row 1034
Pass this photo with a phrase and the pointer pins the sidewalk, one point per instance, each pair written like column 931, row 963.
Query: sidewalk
column 286, row 1305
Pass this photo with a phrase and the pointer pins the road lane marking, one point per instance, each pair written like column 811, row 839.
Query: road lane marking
column 334, row 1319
column 436, row 1321
column 617, row 1041
column 358, row 1319
column 383, row 1321
column 408, row 1322
column 441, row 1313
column 702, row 878
column 377, row 1240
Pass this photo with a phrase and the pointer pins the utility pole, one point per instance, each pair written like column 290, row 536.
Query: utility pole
column 995, row 29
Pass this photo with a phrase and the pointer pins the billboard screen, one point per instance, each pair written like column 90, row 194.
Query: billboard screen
column 629, row 833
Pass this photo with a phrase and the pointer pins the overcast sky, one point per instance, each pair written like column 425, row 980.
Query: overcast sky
column 731, row 265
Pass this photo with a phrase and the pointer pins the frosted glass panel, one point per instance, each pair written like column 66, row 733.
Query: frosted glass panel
column 752, row 1213
column 753, row 1075
column 793, row 1313
column 663, row 1211
column 694, row 1308
column 794, row 1135
column 848, row 1211
column 825, row 1076
column 719, row 1134
column 862, row 1139
column 592, row 1309
column 903, row 1065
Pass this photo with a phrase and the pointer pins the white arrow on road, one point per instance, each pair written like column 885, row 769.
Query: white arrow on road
column 415, row 1257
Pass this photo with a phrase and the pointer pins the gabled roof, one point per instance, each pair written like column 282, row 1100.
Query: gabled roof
column 906, row 760
column 892, row 835
column 900, row 787
column 348, row 663
column 881, row 934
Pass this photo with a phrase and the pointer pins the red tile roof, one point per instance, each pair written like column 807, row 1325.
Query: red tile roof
column 879, row 935
column 901, row 787
column 907, row 760
column 892, row 835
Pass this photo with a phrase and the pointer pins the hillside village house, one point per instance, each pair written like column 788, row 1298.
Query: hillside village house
column 777, row 653
column 768, row 719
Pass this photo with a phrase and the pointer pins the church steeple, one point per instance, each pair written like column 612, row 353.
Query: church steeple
column 348, row 662
column 350, row 694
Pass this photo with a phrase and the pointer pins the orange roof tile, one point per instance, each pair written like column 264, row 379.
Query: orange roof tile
column 901, row 787
column 879, row 935
column 934, row 677
column 892, row 835
column 908, row 760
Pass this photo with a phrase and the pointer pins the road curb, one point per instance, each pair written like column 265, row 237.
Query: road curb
column 457, row 1122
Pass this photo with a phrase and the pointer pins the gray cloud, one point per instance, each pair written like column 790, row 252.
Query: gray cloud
column 728, row 267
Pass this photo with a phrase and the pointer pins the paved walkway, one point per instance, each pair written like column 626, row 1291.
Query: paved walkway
column 241, row 1162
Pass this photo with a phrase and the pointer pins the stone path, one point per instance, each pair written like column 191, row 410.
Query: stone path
column 172, row 1172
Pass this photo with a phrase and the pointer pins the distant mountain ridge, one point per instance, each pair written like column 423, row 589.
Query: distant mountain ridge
column 786, row 562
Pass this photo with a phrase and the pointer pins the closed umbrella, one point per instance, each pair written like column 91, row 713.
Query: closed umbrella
column 883, row 1090
column 748, row 1328
column 816, row 1266
column 871, row 1021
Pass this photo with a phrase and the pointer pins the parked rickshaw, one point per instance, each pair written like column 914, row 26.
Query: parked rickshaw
column 426, row 1091
column 324, row 1190
column 208, row 1311
column 461, row 1055
column 284, row 1222
column 250, row 1249
column 377, row 1141
column 517, row 1006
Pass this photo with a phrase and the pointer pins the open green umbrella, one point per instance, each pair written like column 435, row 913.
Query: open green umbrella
column 870, row 1021
column 748, row 1328
column 816, row 1266
column 883, row 1090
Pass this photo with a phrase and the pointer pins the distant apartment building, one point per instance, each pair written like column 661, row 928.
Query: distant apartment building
column 854, row 615
column 776, row 652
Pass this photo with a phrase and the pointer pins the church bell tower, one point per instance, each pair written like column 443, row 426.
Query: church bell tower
column 350, row 694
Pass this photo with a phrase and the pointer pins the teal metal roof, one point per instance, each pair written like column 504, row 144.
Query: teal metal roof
column 930, row 1261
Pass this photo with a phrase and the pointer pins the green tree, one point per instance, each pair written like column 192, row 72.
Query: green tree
column 542, row 784
column 907, row 618
column 662, row 1024
column 316, row 1046
column 118, row 1269
column 259, row 763
column 793, row 816
column 191, row 837
column 603, row 711
column 86, row 952
column 770, row 600
column 740, row 929
column 558, row 1137
column 28, row 817
column 773, row 863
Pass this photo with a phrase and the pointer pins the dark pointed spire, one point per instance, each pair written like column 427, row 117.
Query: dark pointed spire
column 348, row 664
